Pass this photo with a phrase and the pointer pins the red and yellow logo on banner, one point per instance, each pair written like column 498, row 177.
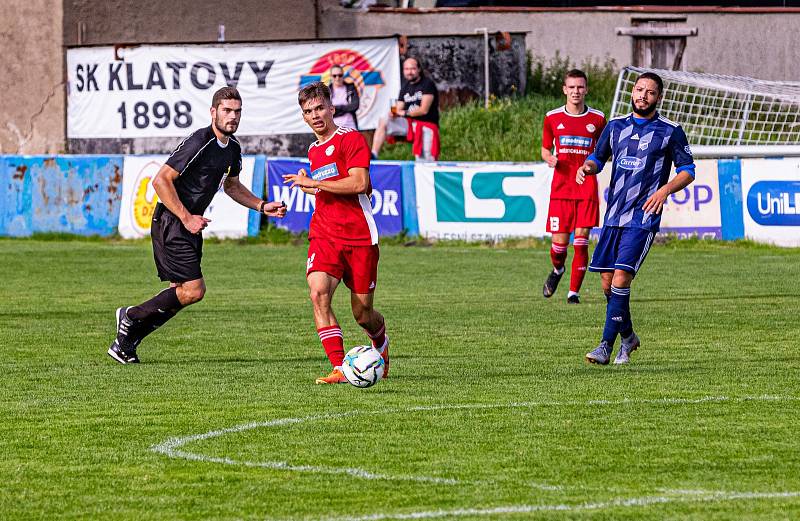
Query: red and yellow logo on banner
column 357, row 70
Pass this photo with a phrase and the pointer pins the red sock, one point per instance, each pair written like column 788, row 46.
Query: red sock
column 558, row 254
column 579, row 262
column 333, row 343
column 378, row 337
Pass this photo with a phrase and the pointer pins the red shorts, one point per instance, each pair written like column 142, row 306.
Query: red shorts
column 565, row 215
column 356, row 266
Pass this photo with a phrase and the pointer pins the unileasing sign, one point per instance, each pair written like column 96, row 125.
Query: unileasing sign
column 774, row 203
column 771, row 197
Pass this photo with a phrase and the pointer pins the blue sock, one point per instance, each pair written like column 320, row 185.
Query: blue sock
column 617, row 314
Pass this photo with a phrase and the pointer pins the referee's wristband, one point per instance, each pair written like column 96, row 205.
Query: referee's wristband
column 261, row 207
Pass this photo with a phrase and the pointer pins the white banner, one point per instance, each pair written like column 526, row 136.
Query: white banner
column 771, row 200
column 694, row 211
column 166, row 90
column 480, row 202
column 228, row 218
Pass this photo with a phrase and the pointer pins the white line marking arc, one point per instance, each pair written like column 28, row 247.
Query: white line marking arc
column 172, row 448
column 700, row 496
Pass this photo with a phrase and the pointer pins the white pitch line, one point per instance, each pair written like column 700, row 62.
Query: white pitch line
column 615, row 503
column 172, row 446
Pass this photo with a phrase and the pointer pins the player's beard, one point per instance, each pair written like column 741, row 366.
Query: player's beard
column 645, row 111
column 222, row 130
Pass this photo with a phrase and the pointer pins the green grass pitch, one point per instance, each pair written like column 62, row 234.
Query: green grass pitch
column 490, row 411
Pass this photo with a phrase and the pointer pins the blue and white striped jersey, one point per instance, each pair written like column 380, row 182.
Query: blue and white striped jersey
column 643, row 152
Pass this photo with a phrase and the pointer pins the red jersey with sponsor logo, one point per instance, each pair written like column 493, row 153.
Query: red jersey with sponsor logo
column 575, row 137
column 343, row 219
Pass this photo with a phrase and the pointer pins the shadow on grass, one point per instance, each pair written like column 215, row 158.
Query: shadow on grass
column 711, row 298
column 232, row 360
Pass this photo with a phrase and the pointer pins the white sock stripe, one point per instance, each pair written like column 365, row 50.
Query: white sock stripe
column 559, row 249
column 580, row 242
column 330, row 333
column 620, row 291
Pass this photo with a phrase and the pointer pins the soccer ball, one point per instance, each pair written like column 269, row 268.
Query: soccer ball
column 363, row 366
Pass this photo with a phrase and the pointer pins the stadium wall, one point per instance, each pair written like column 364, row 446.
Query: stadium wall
column 729, row 40
column 60, row 194
column 730, row 199
column 31, row 79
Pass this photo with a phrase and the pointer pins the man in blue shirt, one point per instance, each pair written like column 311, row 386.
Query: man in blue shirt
column 643, row 145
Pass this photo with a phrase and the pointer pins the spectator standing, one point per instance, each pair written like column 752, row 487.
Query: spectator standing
column 344, row 96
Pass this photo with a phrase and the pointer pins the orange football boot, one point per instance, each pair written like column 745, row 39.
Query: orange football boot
column 336, row 377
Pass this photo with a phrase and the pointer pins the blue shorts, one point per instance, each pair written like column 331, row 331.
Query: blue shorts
column 621, row 249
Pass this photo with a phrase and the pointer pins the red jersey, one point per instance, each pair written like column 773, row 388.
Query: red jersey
column 575, row 137
column 343, row 219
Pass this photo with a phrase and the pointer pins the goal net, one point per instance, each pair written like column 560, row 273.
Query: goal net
column 724, row 115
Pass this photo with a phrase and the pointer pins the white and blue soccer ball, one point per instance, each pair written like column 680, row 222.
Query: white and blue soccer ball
column 363, row 366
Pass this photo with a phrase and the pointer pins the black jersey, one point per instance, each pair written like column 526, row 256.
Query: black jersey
column 203, row 166
column 411, row 96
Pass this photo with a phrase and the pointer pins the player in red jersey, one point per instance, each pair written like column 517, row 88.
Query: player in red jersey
column 574, row 129
column 343, row 238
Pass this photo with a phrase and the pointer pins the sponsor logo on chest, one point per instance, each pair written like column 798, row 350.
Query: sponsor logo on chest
column 325, row 172
column 574, row 141
column 630, row 162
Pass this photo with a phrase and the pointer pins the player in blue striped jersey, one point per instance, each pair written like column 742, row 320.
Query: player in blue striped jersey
column 643, row 147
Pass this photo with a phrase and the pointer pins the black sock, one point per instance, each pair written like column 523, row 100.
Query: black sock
column 154, row 313
column 164, row 303
column 153, row 322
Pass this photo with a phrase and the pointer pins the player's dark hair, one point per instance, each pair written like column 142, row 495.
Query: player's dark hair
column 575, row 73
column 652, row 76
column 223, row 94
column 316, row 90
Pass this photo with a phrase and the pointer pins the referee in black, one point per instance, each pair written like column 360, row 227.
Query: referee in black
column 209, row 158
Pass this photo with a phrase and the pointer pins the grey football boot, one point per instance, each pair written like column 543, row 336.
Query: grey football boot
column 625, row 350
column 601, row 354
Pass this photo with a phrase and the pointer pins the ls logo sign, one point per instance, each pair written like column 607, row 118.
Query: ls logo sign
column 484, row 197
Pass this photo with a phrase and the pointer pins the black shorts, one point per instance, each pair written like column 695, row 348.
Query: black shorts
column 176, row 251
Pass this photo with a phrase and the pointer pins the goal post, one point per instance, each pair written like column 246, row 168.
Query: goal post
column 724, row 116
